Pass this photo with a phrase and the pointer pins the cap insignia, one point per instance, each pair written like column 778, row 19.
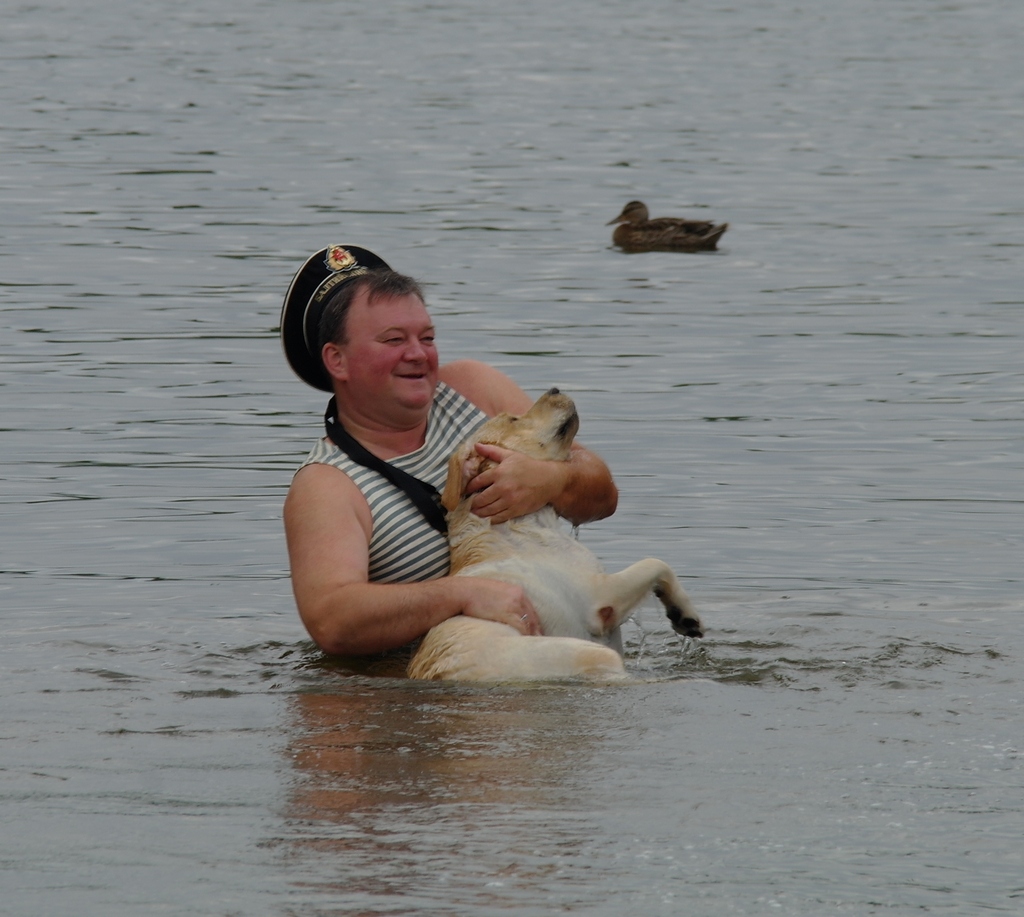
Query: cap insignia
column 339, row 259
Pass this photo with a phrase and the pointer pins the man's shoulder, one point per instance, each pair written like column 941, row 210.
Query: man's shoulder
column 465, row 374
column 320, row 485
column 319, row 476
column 487, row 387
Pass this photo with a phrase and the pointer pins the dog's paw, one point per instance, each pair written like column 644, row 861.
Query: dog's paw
column 678, row 609
column 685, row 623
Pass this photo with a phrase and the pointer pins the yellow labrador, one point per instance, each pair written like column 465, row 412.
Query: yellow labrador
column 580, row 606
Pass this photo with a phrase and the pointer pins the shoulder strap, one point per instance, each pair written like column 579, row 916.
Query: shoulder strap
column 425, row 496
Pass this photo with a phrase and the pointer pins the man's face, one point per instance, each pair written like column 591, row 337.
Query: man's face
column 389, row 359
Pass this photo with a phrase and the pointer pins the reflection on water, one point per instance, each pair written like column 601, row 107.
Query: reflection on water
column 411, row 793
column 376, row 748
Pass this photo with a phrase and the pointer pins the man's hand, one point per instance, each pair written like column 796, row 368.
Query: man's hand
column 494, row 600
column 515, row 485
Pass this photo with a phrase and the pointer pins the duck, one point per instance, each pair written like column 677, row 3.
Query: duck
column 639, row 233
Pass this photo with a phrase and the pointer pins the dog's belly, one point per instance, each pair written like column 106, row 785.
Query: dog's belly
column 558, row 585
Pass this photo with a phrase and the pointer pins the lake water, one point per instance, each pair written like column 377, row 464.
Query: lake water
column 820, row 427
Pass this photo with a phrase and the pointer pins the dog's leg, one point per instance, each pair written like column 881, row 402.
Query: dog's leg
column 617, row 594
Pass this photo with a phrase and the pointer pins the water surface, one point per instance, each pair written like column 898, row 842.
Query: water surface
column 819, row 427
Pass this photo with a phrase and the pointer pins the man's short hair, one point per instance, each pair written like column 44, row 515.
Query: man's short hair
column 378, row 285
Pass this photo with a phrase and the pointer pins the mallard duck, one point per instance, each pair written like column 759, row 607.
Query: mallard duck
column 638, row 233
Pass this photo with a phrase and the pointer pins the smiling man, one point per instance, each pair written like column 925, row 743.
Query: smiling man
column 366, row 538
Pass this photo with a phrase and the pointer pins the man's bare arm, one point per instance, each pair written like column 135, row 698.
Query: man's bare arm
column 327, row 524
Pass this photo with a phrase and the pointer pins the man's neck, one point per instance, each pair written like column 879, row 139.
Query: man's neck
column 383, row 439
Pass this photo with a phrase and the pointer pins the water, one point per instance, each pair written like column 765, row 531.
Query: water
column 819, row 427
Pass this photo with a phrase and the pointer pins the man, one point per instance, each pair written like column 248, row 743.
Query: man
column 369, row 567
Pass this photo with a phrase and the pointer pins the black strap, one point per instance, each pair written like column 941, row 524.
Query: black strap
column 424, row 495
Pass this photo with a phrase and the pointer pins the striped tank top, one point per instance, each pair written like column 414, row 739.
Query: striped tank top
column 404, row 547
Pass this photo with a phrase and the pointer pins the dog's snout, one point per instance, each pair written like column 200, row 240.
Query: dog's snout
column 553, row 391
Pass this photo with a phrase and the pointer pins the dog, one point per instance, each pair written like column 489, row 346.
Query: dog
column 581, row 608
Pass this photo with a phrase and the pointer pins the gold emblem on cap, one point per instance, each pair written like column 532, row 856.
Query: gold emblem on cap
column 339, row 259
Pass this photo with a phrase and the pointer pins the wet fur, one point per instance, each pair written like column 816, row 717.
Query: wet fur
column 580, row 606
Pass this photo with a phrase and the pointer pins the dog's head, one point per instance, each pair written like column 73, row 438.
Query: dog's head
column 546, row 431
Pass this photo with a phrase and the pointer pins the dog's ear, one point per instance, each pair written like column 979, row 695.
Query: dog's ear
column 459, row 473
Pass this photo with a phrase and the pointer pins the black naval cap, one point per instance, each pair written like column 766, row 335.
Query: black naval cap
column 310, row 290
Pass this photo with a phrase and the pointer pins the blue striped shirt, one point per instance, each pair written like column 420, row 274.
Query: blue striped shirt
column 404, row 547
